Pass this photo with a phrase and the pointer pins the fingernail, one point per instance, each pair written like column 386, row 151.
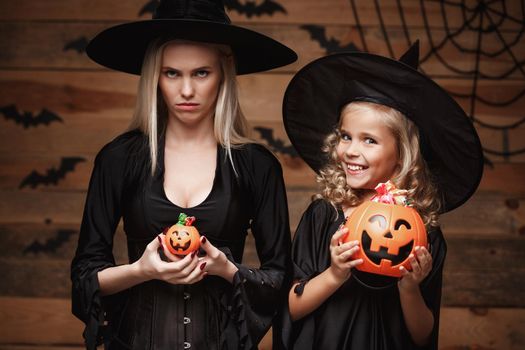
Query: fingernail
column 160, row 239
column 203, row 240
column 193, row 253
column 203, row 265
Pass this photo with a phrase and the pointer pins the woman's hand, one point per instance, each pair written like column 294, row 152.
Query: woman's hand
column 177, row 271
column 341, row 255
column 421, row 263
column 215, row 262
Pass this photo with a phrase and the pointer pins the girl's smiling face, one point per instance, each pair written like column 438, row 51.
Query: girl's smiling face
column 367, row 148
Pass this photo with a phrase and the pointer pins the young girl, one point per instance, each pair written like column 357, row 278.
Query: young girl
column 391, row 123
column 186, row 152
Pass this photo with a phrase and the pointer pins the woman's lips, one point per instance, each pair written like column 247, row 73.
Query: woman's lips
column 187, row 106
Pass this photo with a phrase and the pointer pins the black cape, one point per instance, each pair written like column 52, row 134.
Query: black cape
column 211, row 314
column 355, row 316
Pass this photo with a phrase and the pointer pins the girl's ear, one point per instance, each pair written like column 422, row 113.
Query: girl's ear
column 396, row 172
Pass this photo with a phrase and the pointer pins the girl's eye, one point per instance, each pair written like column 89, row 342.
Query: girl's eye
column 345, row 137
column 202, row 73
column 370, row 140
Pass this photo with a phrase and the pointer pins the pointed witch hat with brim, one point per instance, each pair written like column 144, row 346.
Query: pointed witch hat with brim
column 123, row 47
column 449, row 143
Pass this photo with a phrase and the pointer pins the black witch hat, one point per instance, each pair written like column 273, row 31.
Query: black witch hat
column 450, row 145
column 122, row 47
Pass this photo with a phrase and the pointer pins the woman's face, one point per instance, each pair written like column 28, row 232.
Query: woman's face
column 189, row 81
column 367, row 149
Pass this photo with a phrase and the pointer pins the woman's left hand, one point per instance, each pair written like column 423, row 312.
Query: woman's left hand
column 421, row 263
column 215, row 261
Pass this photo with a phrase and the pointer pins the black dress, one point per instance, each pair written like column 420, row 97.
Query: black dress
column 210, row 314
column 355, row 316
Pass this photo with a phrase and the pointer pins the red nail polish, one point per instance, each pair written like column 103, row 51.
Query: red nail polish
column 160, row 240
column 193, row 253
column 203, row 265
column 203, row 239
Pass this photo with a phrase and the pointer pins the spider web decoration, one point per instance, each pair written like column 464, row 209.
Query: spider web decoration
column 499, row 24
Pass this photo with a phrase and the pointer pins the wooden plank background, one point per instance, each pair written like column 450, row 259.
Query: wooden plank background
column 483, row 303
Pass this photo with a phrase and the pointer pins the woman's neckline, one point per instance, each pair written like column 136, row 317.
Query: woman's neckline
column 206, row 198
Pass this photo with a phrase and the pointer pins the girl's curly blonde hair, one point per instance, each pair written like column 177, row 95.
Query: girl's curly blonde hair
column 412, row 175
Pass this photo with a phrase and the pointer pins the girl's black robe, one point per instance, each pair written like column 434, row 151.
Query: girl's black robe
column 210, row 314
column 355, row 316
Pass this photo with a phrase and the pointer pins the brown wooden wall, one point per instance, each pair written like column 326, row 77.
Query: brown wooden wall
column 44, row 71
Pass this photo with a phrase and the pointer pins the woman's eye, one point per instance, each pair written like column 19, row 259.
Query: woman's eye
column 370, row 140
column 171, row 73
column 201, row 73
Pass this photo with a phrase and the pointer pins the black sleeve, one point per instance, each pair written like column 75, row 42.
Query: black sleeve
column 310, row 257
column 311, row 246
column 432, row 284
column 94, row 252
column 258, row 293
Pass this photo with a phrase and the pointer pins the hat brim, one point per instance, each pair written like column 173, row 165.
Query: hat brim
column 315, row 96
column 122, row 47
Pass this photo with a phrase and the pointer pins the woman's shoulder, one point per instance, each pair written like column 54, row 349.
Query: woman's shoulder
column 122, row 146
column 256, row 155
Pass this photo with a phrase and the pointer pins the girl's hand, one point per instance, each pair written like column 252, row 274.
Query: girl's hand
column 341, row 255
column 215, row 262
column 421, row 264
column 177, row 271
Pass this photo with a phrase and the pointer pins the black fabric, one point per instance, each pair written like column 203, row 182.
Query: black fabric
column 152, row 315
column 354, row 317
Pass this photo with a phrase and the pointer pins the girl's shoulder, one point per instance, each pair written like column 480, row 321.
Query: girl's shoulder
column 322, row 210
column 437, row 239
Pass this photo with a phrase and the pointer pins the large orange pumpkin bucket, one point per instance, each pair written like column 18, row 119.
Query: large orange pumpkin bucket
column 387, row 232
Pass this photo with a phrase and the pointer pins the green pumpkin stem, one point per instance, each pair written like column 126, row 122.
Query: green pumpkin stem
column 182, row 219
column 185, row 220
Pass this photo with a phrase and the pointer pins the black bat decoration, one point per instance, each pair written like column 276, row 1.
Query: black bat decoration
column 488, row 162
column 276, row 145
column 331, row 45
column 150, row 7
column 27, row 119
column 79, row 45
column 250, row 8
column 53, row 175
column 51, row 245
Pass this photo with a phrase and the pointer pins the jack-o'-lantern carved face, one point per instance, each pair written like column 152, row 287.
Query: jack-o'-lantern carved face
column 387, row 234
column 182, row 238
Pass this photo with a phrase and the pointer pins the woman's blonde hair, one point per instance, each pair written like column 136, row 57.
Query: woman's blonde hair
column 151, row 113
column 412, row 172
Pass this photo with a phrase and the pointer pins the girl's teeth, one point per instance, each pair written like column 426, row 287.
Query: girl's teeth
column 355, row 167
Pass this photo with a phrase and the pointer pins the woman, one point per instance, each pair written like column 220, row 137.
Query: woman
column 185, row 152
